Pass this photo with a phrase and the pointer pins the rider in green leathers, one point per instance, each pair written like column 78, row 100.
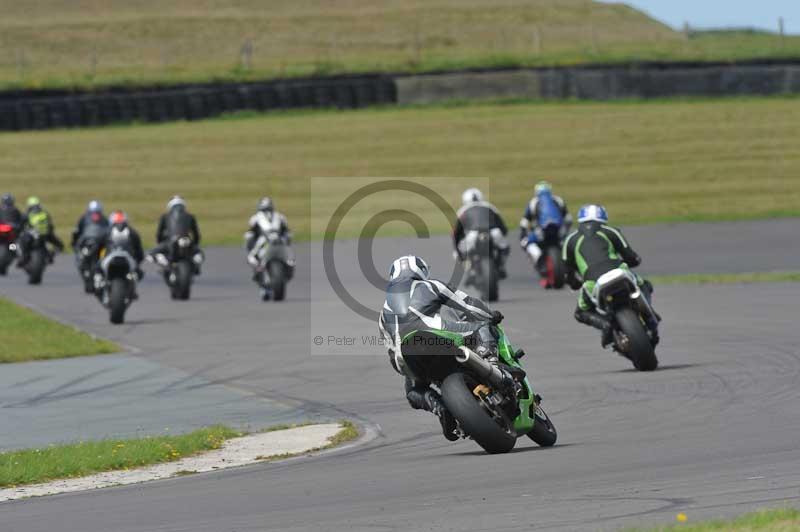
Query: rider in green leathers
column 594, row 249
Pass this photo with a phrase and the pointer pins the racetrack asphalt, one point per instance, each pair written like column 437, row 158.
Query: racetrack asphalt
column 714, row 432
column 120, row 396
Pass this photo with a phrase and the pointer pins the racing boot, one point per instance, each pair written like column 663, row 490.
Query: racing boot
column 421, row 397
column 446, row 419
column 598, row 322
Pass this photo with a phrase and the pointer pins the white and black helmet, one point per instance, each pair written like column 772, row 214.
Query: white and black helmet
column 471, row 195
column 175, row 202
column 409, row 264
column 265, row 204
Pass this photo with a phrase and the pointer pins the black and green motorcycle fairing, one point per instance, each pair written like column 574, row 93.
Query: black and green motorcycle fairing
column 430, row 355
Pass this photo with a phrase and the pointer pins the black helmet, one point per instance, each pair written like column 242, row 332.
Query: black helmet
column 7, row 199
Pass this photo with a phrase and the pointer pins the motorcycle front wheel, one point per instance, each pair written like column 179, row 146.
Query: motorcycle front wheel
column 35, row 266
column 183, row 280
column 543, row 431
column 277, row 279
column 116, row 300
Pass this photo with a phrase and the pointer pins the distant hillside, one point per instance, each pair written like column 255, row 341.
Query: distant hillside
column 98, row 42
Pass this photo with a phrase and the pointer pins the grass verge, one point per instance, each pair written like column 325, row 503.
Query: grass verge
column 34, row 466
column 347, row 433
column 28, row 335
column 51, row 43
column 85, row 458
column 781, row 520
column 727, row 278
column 660, row 162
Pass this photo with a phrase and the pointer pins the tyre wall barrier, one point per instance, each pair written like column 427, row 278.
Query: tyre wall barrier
column 43, row 111
column 22, row 110
column 605, row 83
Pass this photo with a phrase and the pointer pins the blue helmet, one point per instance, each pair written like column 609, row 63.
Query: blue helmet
column 592, row 213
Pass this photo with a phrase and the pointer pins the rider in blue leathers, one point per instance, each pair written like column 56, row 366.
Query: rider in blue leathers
column 544, row 210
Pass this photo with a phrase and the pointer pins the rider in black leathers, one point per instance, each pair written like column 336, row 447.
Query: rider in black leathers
column 477, row 214
column 177, row 221
column 91, row 226
column 414, row 302
column 121, row 235
column 9, row 213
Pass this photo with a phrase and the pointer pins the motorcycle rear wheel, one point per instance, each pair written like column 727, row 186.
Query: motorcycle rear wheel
column 489, row 279
column 5, row 259
column 555, row 267
column 641, row 350
column 472, row 417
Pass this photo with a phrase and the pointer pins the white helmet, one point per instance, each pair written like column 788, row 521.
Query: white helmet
column 175, row 201
column 471, row 195
column 94, row 206
column 266, row 204
column 417, row 267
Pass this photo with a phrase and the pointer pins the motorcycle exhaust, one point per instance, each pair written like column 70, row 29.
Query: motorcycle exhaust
column 644, row 306
column 480, row 367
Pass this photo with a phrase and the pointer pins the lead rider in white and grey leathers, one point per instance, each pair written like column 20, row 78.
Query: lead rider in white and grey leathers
column 476, row 214
column 264, row 222
column 414, row 302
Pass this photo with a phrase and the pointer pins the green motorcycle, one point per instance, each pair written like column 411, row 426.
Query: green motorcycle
column 492, row 404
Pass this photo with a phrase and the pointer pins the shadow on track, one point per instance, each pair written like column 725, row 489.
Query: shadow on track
column 516, row 450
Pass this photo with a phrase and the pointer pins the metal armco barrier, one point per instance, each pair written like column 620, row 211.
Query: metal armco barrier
column 30, row 110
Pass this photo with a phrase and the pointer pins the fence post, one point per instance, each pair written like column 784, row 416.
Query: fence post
column 417, row 45
column 246, row 55
column 21, row 64
column 93, row 63
column 537, row 41
column 781, row 31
